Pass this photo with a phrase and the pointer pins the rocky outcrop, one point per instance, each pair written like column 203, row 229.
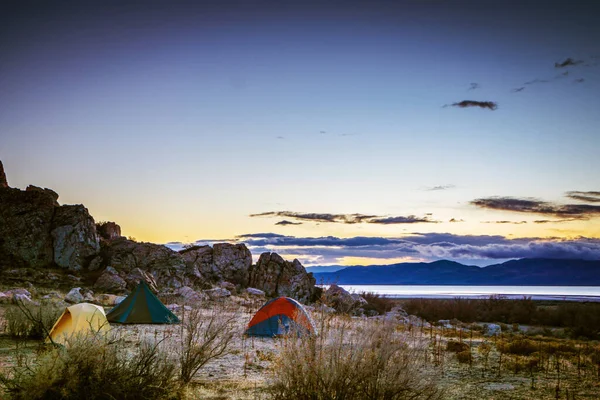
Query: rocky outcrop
column 25, row 225
column 277, row 277
column 157, row 265
column 3, row 181
column 108, row 230
column 74, row 237
column 37, row 232
column 222, row 262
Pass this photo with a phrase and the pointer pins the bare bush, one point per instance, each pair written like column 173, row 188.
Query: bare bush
column 369, row 361
column 92, row 367
column 30, row 321
column 205, row 337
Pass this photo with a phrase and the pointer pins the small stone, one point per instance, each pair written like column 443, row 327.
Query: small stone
column 74, row 296
column 255, row 292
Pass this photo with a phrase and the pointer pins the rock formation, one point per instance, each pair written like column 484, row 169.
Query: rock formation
column 74, row 237
column 277, row 277
column 3, row 181
column 108, row 230
column 222, row 262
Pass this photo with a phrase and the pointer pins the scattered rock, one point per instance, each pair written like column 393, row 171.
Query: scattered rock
column 176, row 307
column 491, row 329
column 22, row 298
column 227, row 285
column 359, row 301
column 217, row 293
column 499, row 386
column 74, row 296
column 4, row 298
column 255, row 292
column 109, row 281
column 445, row 323
column 340, row 299
column 190, row 296
column 52, row 295
column 109, row 299
column 137, row 275
column 12, row 292
column 324, row 308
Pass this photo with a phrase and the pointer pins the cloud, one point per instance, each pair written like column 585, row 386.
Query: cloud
column 425, row 247
column 474, row 103
column 504, row 222
column 286, row 222
column 579, row 80
column 519, row 89
column 411, row 219
column 569, row 62
column 440, row 187
column 346, row 218
column 474, row 86
column 590, row 197
column 536, row 81
column 318, row 217
column 456, row 220
column 554, row 221
column 535, row 206
column 280, row 137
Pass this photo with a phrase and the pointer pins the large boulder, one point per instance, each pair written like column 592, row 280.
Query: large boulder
column 340, row 299
column 74, row 236
column 110, row 281
column 222, row 262
column 74, row 296
column 156, row 264
column 278, row 277
column 190, row 296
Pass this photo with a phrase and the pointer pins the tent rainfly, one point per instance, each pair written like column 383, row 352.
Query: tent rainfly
column 141, row 307
column 278, row 316
column 78, row 319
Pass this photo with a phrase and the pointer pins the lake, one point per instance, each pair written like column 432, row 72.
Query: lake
column 575, row 293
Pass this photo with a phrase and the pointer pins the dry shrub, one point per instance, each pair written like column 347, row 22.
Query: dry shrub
column 92, row 367
column 520, row 347
column 456, row 347
column 464, row 357
column 205, row 338
column 369, row 361
column 377, row 302
column 30, row 321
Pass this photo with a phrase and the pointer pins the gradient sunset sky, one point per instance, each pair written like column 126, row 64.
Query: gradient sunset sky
column 334, row 132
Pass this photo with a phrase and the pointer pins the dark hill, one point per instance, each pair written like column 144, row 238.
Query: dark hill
column 527, row 271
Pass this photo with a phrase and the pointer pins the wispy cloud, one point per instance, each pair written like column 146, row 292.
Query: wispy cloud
column 490, row 105
column 590, row 197
column 456, row 220
column 519, row 89
column 286, row 222
column 473, row 86
column 504, row 222
column 440, row 187
column 579, row 80
column 346, row 218
column 536, row 206
column 569, row 62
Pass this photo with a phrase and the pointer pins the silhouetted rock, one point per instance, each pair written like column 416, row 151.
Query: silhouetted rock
column 108, row 230
column 3, row 181
column 25, row 225
column 277, row 277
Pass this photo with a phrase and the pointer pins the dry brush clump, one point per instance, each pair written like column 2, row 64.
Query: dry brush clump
column 93, row 367
column 351, row 360
column 30, row 321
column 205, row 337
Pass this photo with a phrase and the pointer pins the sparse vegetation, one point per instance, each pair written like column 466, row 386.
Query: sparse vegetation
column 372, row 361
column 377, row 302
column 30, row 321
column 92, row 367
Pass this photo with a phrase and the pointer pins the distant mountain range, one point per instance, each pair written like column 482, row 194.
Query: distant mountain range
column 526, row 271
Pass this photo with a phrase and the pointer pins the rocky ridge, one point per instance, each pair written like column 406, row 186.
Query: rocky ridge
column 47, row 243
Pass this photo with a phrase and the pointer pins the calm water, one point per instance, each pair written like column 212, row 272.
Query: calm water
column 591, row 293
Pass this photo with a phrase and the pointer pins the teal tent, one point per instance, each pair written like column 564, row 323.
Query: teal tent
column 141, row 307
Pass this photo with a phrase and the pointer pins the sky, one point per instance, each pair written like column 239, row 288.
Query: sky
column 354, row 132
